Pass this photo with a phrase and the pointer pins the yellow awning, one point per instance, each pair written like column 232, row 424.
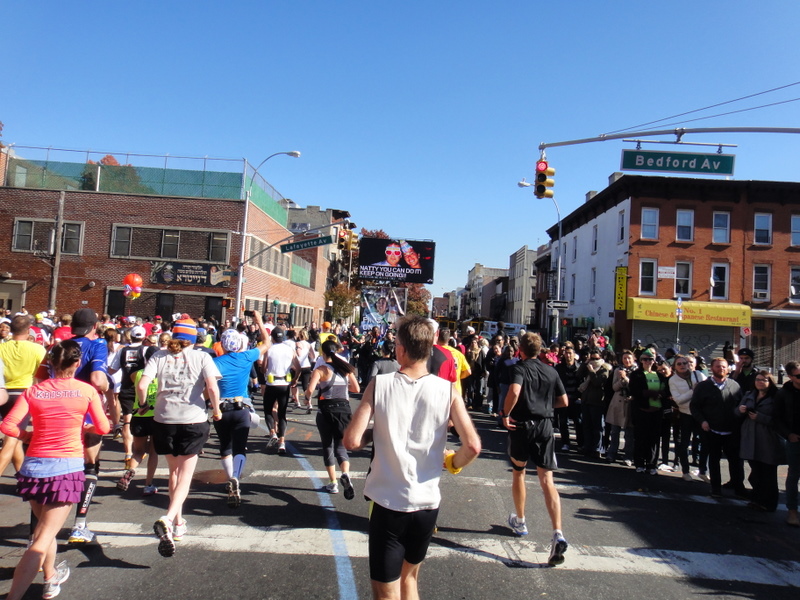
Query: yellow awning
column 694, row 313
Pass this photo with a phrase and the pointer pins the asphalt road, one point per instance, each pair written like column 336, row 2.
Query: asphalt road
column 630, row 535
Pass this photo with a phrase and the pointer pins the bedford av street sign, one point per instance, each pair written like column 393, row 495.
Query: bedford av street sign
column 677, row 162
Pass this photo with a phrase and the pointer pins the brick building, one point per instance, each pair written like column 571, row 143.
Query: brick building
column 183, row 239
column 728, row 250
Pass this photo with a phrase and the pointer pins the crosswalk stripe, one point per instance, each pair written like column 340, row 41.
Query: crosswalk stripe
column 520, row 553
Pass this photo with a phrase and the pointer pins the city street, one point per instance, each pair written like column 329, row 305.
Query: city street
column 630, row 535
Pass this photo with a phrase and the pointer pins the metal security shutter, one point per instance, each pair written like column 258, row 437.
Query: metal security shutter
column 706, row 339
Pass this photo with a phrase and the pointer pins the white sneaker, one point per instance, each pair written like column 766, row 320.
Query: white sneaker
column 52, row 586
column 517, row 526
column 166, row 543
column 178, row 531
column 149, row 490
column 665, row 467
column 80, row 535
column 272, row 440
column 628, row 462
column 557, row 549
column 701, row 476
column 332, row 487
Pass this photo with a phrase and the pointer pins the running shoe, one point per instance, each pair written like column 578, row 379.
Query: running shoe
column 282, row 448
column 665, row 467
column 166, row 543
column 125, row 481
column 272, row 440
column 517, row 526
column 117, row 431
column 640, row 469
column 179, row 531
column 347, row 486
column 149, row 490
column 52, row 586
column 628, row 462
column 80, row 535
column 332, row 487
column 234, row 496
column 557, row 549
column 308, row 410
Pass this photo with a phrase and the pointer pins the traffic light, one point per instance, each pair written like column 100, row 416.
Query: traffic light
column 352, row 243
column 344, row 237
column 544, row 172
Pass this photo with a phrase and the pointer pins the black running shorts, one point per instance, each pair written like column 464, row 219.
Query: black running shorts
column 395, row 537
column 180, row 440
column 533, row 441
column 141, row 426
column 126, row 403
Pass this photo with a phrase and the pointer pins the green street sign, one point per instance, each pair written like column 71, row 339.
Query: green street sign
column 312, row 243
column 677, row 162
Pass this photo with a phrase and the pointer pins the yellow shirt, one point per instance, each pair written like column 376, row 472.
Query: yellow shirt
column 462, row 366
column 21, row 360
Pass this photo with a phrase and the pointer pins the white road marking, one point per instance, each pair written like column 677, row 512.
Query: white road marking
column 511, row 552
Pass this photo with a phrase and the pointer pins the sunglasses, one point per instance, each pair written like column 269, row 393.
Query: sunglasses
column 681, row 364
column 647, row 358
column 393, row 252
column 761, row 380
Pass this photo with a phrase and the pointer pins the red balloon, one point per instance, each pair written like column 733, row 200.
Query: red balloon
column 133, row 279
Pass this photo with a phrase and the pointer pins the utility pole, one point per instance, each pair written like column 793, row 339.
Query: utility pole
column 57, row 251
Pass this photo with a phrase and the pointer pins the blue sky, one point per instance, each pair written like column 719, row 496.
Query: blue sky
column 417, row 117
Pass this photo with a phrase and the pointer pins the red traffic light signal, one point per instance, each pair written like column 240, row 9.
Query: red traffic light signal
column 344, row 237
column 544, row 172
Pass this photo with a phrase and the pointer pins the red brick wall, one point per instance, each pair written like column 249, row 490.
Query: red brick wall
column 741, row 254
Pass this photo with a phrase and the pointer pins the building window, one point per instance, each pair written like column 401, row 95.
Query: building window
column 23, row 235
column 122, row 241
column 572, row 291
column 684, row 229
column 574, row 248
column 795, row 230
column 722, row 228
column 794, row 285
column 593, row 283
column 71, row 238
column 761, row 277
column 169, row 244
column 38, row 235
column 683, row 279
column 650, row 223
column 763, row 229
column 719, row 281
column 647, row 277
column 594, row 239
column 621, row 227
column 218, row 252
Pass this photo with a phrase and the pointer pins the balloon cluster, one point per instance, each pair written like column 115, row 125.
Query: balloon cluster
column 133, row 286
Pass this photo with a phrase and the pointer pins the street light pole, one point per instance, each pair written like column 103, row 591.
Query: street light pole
column 555, row 325
column 242, row 256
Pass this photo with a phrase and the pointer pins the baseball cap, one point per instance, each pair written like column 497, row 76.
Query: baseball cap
column 746, row 352
column 131, row 319
column 83, row 321
column 138, row 332
column 326, row 325
column 278, row 334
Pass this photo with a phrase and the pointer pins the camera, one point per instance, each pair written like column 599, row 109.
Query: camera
column 249, row 313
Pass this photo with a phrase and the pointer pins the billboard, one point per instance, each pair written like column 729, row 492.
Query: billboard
column 396, row 260
column 382, row 306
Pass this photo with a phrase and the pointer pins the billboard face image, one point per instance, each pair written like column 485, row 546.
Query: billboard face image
column 381, row 307
column 396, row 260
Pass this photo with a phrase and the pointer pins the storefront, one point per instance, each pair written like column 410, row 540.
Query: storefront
column 704, row 326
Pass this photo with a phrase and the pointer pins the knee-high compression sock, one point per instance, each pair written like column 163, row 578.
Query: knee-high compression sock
column 227, row 465
column 238, row 465
column 90, row 471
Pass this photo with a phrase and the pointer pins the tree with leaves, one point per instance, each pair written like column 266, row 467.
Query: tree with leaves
column 345, row 299
column 114, row 177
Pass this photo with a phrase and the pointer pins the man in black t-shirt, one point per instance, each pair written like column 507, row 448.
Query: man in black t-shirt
column 528, row 411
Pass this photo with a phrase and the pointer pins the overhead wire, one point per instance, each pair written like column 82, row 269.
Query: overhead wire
column 709, row 107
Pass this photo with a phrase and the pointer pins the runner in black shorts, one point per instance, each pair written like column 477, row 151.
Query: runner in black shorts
column 142, row 431
column 535, row 390
column 395, row 537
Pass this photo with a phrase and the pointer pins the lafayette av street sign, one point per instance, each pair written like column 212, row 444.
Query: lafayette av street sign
column 677, row 162
column 312, row 243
